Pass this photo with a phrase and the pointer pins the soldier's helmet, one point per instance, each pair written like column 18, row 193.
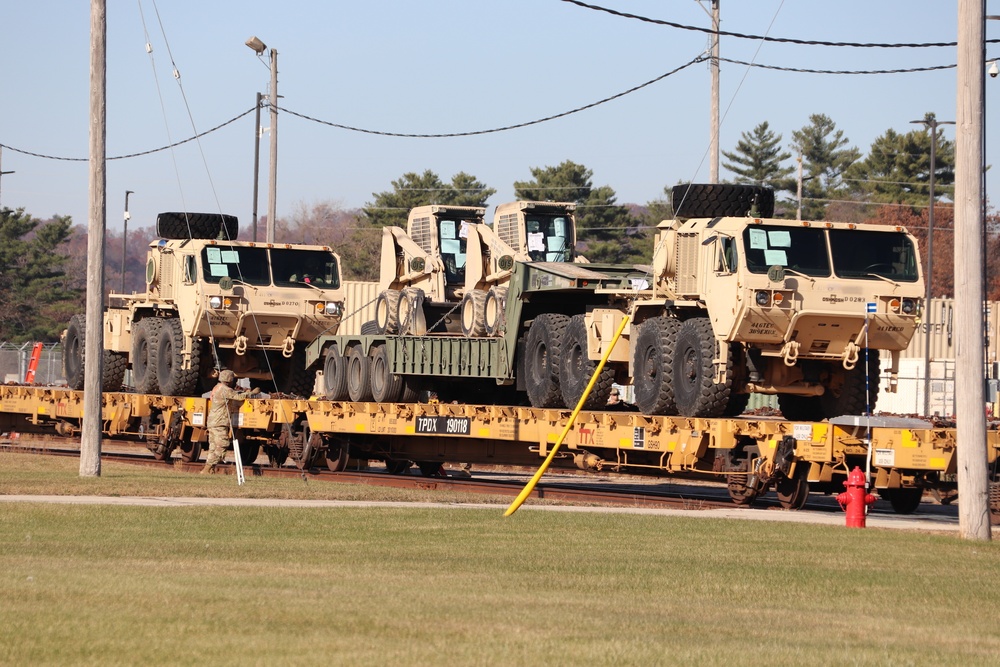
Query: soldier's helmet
column 227, row 377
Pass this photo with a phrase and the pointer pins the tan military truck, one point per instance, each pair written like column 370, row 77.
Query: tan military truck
column 741, row 303
column 213, row 303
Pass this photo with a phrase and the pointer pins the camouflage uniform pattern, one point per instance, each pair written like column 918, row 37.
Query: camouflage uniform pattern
column 220, row 416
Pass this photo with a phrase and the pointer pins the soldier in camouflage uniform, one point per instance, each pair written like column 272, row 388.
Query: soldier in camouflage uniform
column 220, row 417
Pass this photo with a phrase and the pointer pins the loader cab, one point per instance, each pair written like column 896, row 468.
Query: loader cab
column 549, row 238
column 452, row 239
column 540, row 231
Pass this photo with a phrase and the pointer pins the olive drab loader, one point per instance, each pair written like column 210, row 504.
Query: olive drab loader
column 212, row 302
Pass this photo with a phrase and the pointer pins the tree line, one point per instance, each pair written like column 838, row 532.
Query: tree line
column 43, row 263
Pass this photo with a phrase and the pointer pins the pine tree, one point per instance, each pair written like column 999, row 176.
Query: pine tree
column 758, row 159
column 825, row 158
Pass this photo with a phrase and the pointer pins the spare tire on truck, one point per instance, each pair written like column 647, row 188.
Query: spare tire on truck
column 197, row 226
column 713, row 200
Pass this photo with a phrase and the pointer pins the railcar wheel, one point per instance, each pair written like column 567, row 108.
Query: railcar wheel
column 337, row 455
column 359, row 375
column 740, row 463
column 145, row 336
column 654, row 353
column 386, row 386
column 793, row 492
column 249, row 450
column 576, row 369
column 397, row 466
column 858, row 390
column 904, row 500
column 693, row 371
column 335, row 374
column 387, row 311
column 190, row 451
column 474, row 313
column 431, row 468
column 541, row 360
column 173, row 378
column 797, row 408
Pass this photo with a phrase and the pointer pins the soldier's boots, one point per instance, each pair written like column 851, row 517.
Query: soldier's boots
column 209, row 469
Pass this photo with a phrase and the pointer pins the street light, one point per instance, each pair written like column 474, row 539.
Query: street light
column 932, row 125
column 259, row 47
column 128, row 216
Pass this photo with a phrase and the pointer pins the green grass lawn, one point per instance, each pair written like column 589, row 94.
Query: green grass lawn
column 452, row 586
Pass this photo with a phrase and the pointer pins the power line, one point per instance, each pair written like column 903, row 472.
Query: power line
column 786, row 40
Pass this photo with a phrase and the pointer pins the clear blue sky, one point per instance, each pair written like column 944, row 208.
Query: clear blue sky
column 440, row 66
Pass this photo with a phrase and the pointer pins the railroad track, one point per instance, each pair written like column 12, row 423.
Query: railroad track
column 496, row 481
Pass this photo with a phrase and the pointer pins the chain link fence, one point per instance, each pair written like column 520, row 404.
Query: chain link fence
column 15, row 358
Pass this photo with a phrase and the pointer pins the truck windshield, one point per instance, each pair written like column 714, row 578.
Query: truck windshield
column 802, row 249
column 868, row 254
column 248, row 265
column 301, row 268
column 549, row 238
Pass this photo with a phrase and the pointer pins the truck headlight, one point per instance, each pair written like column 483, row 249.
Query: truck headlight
column 333, row 308
column 215, row 302
column 763, row 298
column 909, row 306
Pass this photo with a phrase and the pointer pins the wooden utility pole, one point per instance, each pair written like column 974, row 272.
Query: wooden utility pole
column 713, row 161
column 90, row 436
column 970, row 417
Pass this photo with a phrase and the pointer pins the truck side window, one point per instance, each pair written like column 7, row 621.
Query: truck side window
column 190, row 269
column 726, row 262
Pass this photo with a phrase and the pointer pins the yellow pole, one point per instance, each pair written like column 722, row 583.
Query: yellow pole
column 526, row 491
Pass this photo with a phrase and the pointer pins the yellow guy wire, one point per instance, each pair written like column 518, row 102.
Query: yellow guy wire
column 526, row 491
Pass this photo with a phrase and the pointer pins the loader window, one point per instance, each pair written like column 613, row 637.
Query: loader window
column 301, row 268
column 868, row 254
column 801, row 249
column 248, row 265
column 453, row 241
column 549, row 238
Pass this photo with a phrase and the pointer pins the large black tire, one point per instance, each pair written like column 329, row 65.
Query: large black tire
column 474, row 313
column 493, row 310
column 145, row 339
column 174, row 379
column 386, row 312
column 711, row 200
column 291, row 375
column 652, row 361
column 369, row 328
column 359, row 375
column 541, row 360
column 74, row 350
column 387, row 387
column 693, row 371
column 113, row 375
column 335, row 374
column 576, row 369
column 852, row 397
column 197, row 226
column 800, row 408
column 903, row 500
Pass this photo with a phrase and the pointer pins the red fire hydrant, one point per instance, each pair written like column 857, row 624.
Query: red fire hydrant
column 855, row 501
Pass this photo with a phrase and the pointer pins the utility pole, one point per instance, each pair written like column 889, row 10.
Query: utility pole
column 273, row 175
column 713, row 169
column 970, row 418
column 256, row 165
column 2, row 172
column 798, row 211
column 128, row 216
column 932, row 125
column 90, row 434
